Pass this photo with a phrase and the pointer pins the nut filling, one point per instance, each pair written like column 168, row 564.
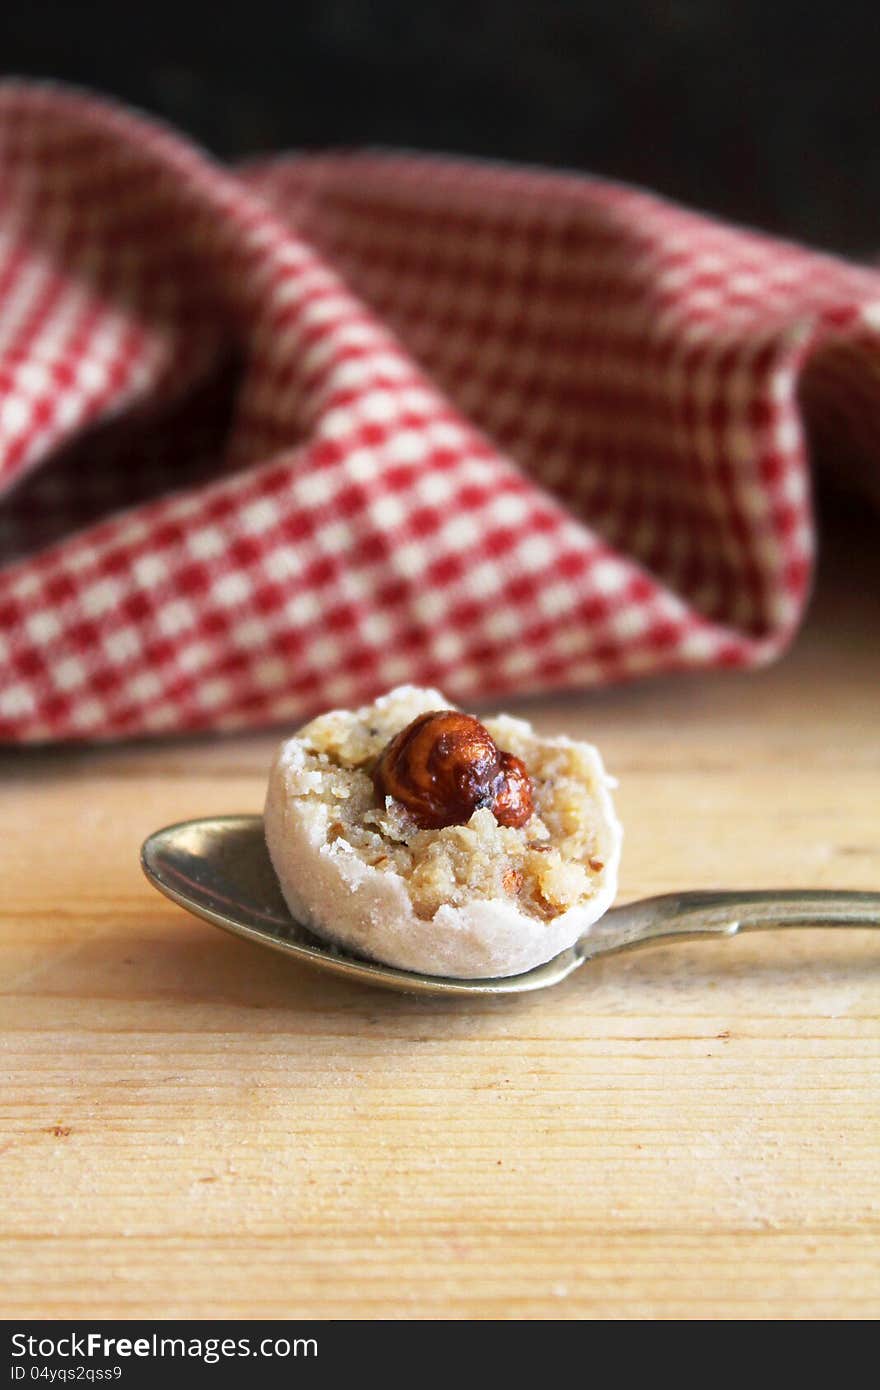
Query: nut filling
column 445, row 765
column 529, row 838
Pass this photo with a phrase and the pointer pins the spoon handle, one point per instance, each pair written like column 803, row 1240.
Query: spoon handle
column 683, row 915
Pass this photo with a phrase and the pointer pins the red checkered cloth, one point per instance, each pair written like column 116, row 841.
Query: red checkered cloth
column 278, row 438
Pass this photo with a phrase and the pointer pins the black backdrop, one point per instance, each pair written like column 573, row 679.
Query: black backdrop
column 765, row 112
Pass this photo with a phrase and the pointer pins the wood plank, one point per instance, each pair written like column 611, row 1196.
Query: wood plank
column 192, row 1127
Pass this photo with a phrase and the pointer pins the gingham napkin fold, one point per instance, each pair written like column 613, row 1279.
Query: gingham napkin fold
column 277, row 438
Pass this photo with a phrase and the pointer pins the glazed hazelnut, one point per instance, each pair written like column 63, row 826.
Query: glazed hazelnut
column 445, row 765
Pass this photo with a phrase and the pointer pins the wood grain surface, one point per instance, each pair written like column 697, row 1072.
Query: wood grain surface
column 194, row 1127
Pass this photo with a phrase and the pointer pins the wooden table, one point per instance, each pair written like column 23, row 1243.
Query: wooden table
column 194, row 1127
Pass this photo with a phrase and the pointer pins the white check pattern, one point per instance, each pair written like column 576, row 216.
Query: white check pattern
column 279, row 438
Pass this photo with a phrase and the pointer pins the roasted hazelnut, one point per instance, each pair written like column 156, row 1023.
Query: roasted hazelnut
column 444, row 766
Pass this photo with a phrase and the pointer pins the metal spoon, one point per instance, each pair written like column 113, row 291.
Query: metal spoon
column 219, row 869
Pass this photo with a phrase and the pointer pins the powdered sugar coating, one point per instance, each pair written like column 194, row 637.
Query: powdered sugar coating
column 469, row 901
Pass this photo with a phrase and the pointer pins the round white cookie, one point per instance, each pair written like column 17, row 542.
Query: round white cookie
column 468, row 901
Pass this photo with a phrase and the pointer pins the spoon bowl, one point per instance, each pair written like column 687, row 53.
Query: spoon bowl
column 219, row 869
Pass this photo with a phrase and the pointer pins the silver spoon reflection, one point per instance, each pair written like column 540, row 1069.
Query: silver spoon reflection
column 219, row 869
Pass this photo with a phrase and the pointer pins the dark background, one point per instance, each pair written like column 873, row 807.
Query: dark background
column 765, row 113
